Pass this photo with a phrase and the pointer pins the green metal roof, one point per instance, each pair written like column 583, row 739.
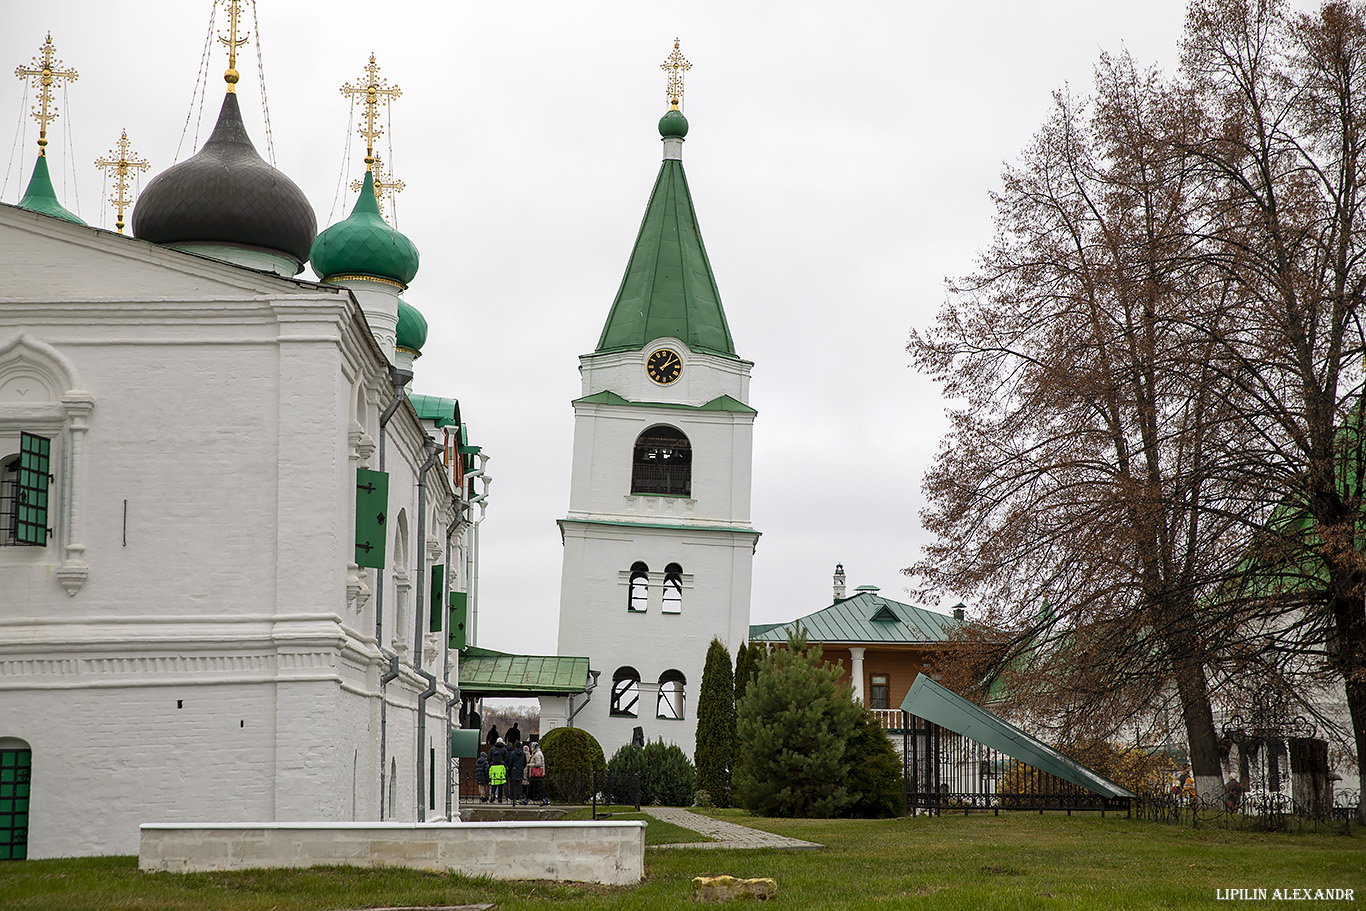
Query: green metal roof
column 365, row 244
column 720, row 403
column 41, row 197
column 485, row 672
column 668, row 289
column 445, row 412
column 866, row 617
column 927, row 699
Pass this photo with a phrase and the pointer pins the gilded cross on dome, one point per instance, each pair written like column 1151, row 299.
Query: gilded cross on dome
column 233, row 41
column 675, row 65
column 373, row 90
column 385, row 185
column 120, row 163
column 47, row 74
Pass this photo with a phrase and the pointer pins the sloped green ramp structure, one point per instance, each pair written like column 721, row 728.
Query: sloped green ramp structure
column 959, row 756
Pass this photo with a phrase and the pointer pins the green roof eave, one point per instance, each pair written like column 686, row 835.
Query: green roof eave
column 927, row 699
column 445, row 412
column 485, row 672
column 660, row 525
column 668, row 290
column 720, row 403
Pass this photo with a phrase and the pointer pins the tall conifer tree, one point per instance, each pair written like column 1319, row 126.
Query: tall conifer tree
column 715, row 725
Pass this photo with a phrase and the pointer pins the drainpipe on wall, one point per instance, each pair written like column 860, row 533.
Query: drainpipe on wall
column 434, row 452
column 452, row 812
column 399, row 379
column 587, row 697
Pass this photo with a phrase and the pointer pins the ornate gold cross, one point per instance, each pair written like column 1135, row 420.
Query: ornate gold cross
column 47, row 74
column 120, row 163
column 375, row 91
column 385, row 186
column 675, row 65
column 230, row 76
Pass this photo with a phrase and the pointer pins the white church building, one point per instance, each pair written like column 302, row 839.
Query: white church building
column 211, row 607
column 658, row 544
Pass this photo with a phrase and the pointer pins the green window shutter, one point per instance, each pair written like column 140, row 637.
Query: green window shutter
column 438, row 587
column 455, row 632
column 372, row 509
column 35, row 477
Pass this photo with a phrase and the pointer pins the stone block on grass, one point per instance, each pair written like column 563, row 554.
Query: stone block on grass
column 728, row 888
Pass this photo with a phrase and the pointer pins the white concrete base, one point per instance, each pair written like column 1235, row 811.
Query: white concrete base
column 602, row 852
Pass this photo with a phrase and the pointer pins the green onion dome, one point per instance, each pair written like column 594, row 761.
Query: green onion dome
column 42, row 198
column 412, row 328
column 365, row 244
column 673, row 125
column 226, row 194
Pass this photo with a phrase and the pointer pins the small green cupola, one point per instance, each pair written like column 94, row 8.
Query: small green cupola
column 668, row 290
column 41, row 197
column 412, row 328
column 364, row 245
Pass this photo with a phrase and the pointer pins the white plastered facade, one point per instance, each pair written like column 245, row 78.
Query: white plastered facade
column 195, row 642
column 608, row 529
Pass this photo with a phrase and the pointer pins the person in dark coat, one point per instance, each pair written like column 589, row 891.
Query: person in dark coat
column 492, row 738
column 516, row 762
column 514, row 735
column 481, row 775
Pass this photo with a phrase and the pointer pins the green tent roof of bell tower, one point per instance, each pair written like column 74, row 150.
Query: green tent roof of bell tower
column 668, row 289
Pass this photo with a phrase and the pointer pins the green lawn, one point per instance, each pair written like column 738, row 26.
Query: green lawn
column 947, row 863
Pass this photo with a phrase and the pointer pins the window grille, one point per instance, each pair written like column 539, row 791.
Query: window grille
column 638, row 594
column 673, row 589
column 9, row 501
column 625, row 691
column 670, row 704
column 662, row 464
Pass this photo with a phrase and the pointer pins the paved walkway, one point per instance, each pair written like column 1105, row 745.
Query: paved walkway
column 727, row 834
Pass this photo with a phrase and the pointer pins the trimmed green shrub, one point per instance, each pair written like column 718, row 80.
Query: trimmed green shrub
column 668, row 778
column 572, row 757
column 874, row 772
column 746, row 666
column 794, row 725
column 715, row 725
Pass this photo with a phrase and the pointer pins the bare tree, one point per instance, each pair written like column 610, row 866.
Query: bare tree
column 1281, row 152
column 1086, row 466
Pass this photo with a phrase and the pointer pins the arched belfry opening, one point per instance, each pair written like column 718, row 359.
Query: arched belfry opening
column 662, row 463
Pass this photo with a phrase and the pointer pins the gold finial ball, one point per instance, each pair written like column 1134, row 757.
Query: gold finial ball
column 41, row 142
column 231, row 76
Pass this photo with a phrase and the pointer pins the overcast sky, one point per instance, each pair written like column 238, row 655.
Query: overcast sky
column 841, row 158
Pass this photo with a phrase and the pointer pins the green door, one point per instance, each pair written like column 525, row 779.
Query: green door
column 15, row 766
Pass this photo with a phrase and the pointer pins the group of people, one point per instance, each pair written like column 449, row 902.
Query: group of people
column 510, row 770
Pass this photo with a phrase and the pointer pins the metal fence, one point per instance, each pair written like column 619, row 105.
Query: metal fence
column 947, row 771
column 1254, row 810
column 601, row 788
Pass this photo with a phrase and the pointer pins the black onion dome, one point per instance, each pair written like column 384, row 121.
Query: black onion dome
column 227, row 194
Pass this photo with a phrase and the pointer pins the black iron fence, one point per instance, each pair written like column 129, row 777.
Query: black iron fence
column 1260, row 810
column 947, row 771
column 601, row 788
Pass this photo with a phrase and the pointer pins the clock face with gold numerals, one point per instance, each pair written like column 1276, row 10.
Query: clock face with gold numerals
column 664, row 366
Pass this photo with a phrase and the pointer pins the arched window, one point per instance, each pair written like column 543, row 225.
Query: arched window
column 670, row 706
column 673, row 589
column 638, row 594
column 625, row 691
column 662, row 464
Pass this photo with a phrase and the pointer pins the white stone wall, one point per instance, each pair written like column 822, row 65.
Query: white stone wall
column 606, row 852
column 199, row 656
